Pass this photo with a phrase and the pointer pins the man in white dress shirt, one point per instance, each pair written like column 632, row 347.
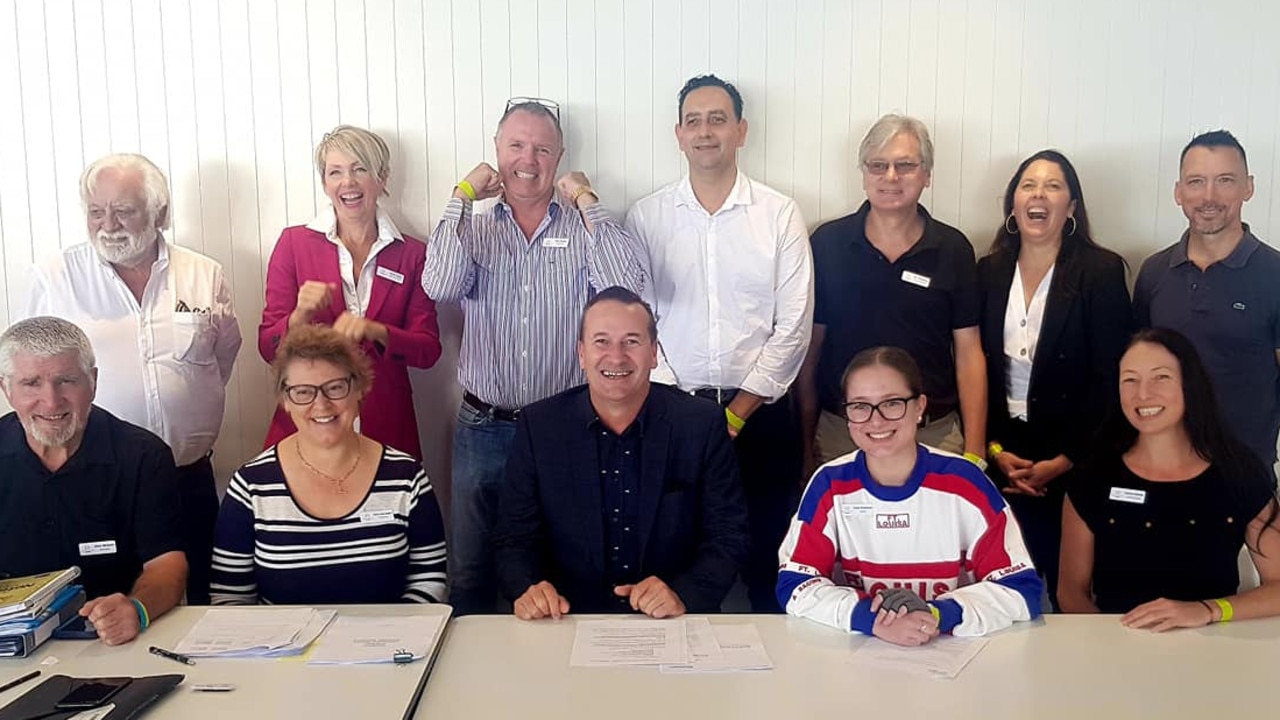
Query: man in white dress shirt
column 161, row 321
column 732, row 289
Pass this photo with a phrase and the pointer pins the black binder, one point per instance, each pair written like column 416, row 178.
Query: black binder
column 130, row 702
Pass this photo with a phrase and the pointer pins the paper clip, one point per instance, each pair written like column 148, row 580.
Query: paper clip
column 401, row 656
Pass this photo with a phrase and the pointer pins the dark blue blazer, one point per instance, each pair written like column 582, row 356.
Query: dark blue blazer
column 693, row 518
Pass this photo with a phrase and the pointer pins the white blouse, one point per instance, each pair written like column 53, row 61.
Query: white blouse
column 1021, row 335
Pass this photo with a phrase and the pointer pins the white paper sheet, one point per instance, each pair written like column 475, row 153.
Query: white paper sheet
column 359, row 640
column 740, row 649
column 236, row 632
column 609, row 643
column 944, row 657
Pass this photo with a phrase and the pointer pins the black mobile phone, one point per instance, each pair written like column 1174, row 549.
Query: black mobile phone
column 91, row 693
column 77, row 628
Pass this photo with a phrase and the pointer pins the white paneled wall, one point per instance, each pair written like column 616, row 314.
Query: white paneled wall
column 230, row 96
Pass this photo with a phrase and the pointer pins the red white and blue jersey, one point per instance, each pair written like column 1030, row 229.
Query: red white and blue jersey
column 947, row 535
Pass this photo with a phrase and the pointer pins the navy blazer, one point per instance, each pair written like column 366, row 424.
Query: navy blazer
column 693, row 518
column 1088, row 320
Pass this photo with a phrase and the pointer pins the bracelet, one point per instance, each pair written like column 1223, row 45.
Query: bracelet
column 937, row 614
column 1228, row 612
column 144, row 618
column 582, row 190
column 467, row 189
column 994, row 449
column 971, row 457
column 735, row 422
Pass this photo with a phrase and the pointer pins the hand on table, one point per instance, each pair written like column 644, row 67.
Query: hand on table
column 652, row 597
column 539, row 601
column 114, row 617
column 1164, row 614
column 903, row 627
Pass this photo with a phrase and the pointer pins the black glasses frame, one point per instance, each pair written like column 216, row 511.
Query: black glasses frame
column 314, row 391
column 878, row 408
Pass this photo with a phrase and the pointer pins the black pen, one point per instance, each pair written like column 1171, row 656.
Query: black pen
column 171, row 655
column 15, row 683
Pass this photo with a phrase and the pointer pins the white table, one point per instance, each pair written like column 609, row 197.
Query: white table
column 265, row 687
column 1077, row 667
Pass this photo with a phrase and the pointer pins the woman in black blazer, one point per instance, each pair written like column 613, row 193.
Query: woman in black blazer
column 1055, row 319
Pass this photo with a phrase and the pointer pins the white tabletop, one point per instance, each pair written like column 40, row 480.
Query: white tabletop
column 265, row 687
column 1077, row 667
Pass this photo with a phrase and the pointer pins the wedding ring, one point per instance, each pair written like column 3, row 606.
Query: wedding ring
column 924, row 627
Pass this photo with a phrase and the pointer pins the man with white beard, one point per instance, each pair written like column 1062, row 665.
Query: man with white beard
column 161, row 320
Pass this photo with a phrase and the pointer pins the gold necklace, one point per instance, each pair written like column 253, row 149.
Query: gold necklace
column 340, row 482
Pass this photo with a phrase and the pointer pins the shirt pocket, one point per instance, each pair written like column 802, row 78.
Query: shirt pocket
column 193, row 338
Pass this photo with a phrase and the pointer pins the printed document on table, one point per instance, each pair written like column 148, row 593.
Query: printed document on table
column 359, row 640
column 232, row 632
column 608, row 643
column 740, row 649
column 944, row 657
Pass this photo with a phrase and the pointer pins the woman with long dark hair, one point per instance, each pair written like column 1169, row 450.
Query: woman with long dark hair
column 1154, row 527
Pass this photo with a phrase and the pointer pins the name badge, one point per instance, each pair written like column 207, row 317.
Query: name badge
column 1137, row 497
column 857, row 510
column 102, row 547
column 916, row 279
column 390, row 274
column 376, row 517
column 555, row 242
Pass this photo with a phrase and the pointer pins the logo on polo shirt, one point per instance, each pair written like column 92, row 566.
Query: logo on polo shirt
column 893, row 521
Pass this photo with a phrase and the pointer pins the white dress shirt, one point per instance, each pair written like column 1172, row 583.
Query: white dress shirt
column 733, row 289
column 356, row 294
column 1021, row 335
column 163, row 364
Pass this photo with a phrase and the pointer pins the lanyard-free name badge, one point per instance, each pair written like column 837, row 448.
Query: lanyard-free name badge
column 390, row 274
column 553, row 242
column 1137, row 497
column 377, row 517
column 102, row 547
column 923, row 281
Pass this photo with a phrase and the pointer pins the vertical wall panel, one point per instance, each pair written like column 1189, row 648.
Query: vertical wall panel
column 229, row 97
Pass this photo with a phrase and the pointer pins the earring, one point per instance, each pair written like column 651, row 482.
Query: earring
column 1011, row 230
column 1073, row 225
column 919, row 419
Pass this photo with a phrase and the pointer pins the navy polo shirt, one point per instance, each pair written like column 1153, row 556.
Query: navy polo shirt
column 914, row 303
column 1231, row 312
column 619, row 457
column 111, row 507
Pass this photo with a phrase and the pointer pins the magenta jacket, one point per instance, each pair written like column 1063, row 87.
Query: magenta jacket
column 413, row 338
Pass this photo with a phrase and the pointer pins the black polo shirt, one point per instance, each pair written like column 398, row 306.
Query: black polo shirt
column 113, row 506
column 1231, row 313
column 915, row 303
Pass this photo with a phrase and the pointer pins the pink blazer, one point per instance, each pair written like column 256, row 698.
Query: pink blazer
column 413, row 338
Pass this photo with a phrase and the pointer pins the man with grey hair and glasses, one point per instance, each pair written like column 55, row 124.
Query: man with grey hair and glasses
column 523, row 271
column 891, row 274
column 82, row 487
column 161, row 318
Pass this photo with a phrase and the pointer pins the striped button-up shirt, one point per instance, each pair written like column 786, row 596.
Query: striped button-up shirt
column 522, row 297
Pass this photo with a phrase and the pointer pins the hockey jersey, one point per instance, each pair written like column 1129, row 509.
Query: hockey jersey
column 947, row 535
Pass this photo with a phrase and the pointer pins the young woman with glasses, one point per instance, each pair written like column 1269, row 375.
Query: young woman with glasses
column 899, row 540
column 327, row 515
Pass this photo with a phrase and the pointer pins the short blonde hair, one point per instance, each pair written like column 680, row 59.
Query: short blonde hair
column 321, row 342
column 889, row 127
column 363, row 145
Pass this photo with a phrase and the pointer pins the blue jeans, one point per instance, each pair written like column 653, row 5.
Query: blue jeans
column 481, row 444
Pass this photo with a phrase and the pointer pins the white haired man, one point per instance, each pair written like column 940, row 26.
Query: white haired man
column 81, row 487
column 162, row 321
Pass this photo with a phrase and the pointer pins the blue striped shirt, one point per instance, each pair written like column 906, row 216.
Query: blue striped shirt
column 267, row 549
column 523, row 298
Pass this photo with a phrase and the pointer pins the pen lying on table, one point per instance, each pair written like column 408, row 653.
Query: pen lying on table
column 15, row 683
column 171, row 655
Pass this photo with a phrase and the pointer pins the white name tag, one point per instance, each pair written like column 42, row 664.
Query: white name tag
column 555, row 242
column 857, row 510
column 916, row 279
column 375, row 517
column 102, row 547
column 390, row 274
column 1137, row 497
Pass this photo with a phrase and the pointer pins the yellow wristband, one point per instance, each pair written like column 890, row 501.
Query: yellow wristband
column 1228, row 612
column 467, row 189
column 582, row 190
column 973, row 458
column 735, row 422
column 994, row 448
column 937, row 614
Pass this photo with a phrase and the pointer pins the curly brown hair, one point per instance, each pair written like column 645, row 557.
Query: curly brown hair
column 321, row 342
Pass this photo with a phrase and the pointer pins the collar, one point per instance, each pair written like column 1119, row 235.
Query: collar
column 1238, row 258
column 554, row 208
column 739, row 195
column 161, row 261
column 587, row 414
column 326, row 223
column 928, row 239
column 95, row 447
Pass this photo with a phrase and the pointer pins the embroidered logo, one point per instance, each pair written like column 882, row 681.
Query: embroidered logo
column 893, row 521
column 1237, row 306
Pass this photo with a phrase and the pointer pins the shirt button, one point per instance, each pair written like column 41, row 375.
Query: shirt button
column 524, row 320
column 525, row 353
column 1023, row 323
column 1022, row 352
column 525, row 288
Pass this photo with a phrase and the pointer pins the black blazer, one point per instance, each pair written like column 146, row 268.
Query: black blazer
column 1087, row 323
column 693, row 518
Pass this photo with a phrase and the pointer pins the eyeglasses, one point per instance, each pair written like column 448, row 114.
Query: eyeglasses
column 891, row 409
column 307, row 394
column 903, row 168
column 551, row 106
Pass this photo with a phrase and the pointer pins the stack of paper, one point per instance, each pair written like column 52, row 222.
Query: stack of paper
column 680, row 645
column 360, row 640
column 256, row 632
column 943, row 657
column 26, row 598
